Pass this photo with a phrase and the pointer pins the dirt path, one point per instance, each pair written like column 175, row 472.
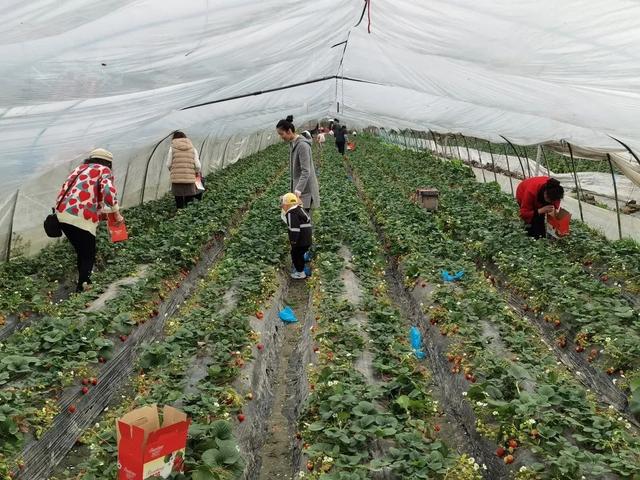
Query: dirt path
column 280, row 455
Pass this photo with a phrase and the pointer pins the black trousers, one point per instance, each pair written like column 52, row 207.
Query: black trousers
column 297, row 257
column 538, row 227
column 183, row 201
column 84, row 243
column 340, row 147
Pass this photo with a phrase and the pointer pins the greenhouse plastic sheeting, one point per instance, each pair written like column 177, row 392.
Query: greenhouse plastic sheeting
column 78, row 74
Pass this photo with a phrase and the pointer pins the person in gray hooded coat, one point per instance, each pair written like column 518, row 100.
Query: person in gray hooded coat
column 304, row 182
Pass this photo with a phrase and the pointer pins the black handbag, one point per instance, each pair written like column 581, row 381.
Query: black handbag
column 51, row 224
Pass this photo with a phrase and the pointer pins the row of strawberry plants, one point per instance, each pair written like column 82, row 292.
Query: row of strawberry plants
column 30, row 285
column 38, row 362
column 348, row 418
column 615, row 260
column 520, row 394
column 204, row 328
column 597, row 317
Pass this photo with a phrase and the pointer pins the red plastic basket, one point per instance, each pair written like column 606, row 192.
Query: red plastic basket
column 560, row 223
column 117, row 231
column 351, row 146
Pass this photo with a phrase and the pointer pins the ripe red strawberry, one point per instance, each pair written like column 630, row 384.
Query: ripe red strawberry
column 579, row 348
column 436, row 427
column 508, row 459
column 71, row 409
column 501, row 452
column 259, row 315
column 512, row 443
column 260, row 346
column 94, row 381
column 468, row 376
column 84, row 390
column 101, row 360
column 310, row 466
column 604, row 278
column 85, row 381
column 316, row 349
column 240, row 417
column 123, row 338
column 450, row 357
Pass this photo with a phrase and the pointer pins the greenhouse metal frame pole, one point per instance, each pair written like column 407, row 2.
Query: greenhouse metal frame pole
column 504, row 146
column 475, row 143
column 146, row 169
column 13, row 214
column 434, row 142
column 575, row 177
column 458, row 147
column 517, row 155
column 546, row 163
column 615, row 193
column 526, row 156
column 464, row 139
column 493, row 162
column 124, row 185
column 633, row 154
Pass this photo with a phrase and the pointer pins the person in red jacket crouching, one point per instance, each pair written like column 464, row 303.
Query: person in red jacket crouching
column 538, row 197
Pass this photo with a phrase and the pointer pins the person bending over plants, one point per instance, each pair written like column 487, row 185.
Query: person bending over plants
column 537, row 198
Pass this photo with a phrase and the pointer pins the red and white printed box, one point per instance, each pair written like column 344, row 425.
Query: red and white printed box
column 146, row 449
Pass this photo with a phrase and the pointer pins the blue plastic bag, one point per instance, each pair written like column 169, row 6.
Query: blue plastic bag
column 416, row 342
column 447, row 277
column 308, row 256
column 287, row 315
column 307, row 270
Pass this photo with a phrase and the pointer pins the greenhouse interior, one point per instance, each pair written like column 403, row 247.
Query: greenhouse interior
column 339, row 240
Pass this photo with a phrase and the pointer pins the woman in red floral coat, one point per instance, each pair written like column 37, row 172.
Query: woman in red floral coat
column 90, row 192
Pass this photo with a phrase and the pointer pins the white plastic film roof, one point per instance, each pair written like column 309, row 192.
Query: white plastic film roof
column 77, row 74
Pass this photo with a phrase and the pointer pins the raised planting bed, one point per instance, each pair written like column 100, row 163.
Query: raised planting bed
column 522, row 398
column 39, row 364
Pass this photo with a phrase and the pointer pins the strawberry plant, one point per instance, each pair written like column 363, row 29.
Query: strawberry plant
column 39, row 361
column 520, row 388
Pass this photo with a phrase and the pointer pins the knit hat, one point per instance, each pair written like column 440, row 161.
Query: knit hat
column 102, row 154
column 289, row 199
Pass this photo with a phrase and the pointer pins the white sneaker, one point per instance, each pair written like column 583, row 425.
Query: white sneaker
column 298, row 275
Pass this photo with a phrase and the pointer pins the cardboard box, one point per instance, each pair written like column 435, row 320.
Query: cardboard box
column 146, row 449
